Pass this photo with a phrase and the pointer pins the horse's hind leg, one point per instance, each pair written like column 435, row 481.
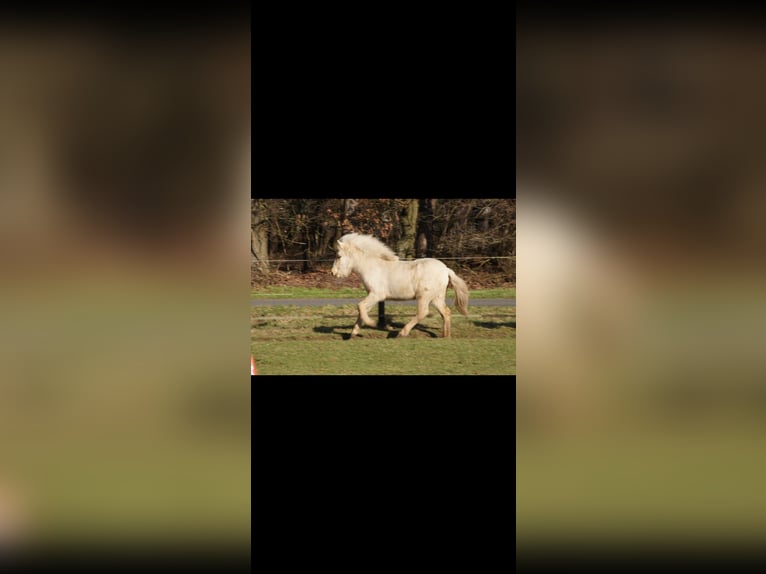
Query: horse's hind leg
column 446, row 315
column 422, row 313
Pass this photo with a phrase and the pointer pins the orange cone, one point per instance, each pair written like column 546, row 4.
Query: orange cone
column 253, row 371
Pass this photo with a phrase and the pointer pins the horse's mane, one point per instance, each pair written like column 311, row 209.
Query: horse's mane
column 369, row 245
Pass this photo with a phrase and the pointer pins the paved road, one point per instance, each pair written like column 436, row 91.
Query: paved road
column 320, row 302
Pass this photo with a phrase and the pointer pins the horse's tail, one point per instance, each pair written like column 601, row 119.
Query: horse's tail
column 461, row 292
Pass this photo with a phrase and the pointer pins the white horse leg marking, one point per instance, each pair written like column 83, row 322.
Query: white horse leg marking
column 422, row 313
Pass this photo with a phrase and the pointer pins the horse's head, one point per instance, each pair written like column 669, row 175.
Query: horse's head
column 343, row 263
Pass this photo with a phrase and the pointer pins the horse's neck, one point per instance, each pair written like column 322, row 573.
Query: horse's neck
column 365, row 266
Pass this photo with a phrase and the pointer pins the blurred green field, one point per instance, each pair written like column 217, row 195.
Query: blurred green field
column 124, row 414
column 662, row 480
column 294, row 340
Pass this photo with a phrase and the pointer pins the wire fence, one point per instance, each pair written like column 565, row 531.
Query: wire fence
column 504, row 264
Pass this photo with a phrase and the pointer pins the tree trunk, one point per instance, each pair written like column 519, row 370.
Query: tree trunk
column 259, row 236
column 425, row 242
column 339, row 227
column 461, row 225
column 408, row 219
column 484, row 216
column 307, row 261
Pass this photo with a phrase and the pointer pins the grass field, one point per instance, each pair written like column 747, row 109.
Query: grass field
column 125, row 421
column 295, row 340
column 689, row 480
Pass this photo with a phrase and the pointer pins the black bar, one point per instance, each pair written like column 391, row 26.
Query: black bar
column 381, row 314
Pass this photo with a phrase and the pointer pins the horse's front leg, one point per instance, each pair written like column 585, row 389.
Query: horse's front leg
column 364, row 318
column 357, row 326
column 365, row 305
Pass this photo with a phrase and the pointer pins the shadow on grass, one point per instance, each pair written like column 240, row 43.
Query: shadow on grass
column 335, row 330
column 344, row 331
column 392, row 329
column 495, row 324
column 399, row 326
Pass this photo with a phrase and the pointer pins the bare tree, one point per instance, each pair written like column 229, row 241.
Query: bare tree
column 424, row 244
column 408, row 221
column 259, row 235
column 306, row 229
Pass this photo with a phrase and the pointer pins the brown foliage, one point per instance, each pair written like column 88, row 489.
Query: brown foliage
column 482, row 229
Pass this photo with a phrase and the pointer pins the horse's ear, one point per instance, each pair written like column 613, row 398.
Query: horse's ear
column 340, row 246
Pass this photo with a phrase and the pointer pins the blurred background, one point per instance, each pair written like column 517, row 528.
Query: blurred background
column 641, row 199
column 124, row 184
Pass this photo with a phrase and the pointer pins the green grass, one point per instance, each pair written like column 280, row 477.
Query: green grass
column 387, row 357
column 295, row 340
column 125, row 421
column 347, row 292
column 620, row 484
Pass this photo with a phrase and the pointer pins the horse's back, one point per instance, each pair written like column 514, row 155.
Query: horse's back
column 409, row 279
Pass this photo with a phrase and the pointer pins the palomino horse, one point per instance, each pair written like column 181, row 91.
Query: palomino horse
column 386, row 277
